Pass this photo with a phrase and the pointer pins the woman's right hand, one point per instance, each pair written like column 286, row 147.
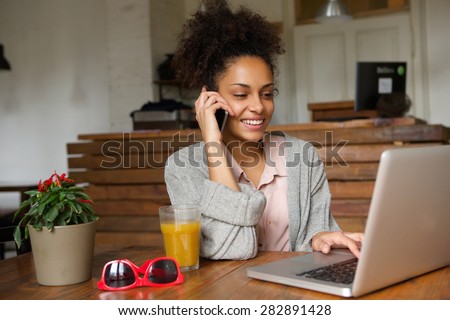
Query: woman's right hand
column 324, row 241
column 206, row 106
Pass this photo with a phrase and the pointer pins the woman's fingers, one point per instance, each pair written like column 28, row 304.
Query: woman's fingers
column 211, row 99
column 356, row 236
column 206, row 106
column 324, row 241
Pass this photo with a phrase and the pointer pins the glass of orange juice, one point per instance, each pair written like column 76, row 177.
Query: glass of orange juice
column 180, row 225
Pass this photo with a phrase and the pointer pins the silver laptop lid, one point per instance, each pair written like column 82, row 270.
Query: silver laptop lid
column 408, row 227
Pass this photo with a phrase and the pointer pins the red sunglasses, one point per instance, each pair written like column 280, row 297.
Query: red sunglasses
column 124, row 274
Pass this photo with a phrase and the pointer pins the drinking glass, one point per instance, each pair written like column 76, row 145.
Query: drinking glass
column 180, row 225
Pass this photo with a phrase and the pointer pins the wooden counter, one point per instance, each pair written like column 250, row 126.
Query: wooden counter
column 125, row 171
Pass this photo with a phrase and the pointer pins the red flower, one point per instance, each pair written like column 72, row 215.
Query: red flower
column 42, row 187
column 63, row 178
column 57, row 179
column 53, row 181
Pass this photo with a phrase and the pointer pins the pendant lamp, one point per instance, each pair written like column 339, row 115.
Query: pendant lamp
column 333, row 11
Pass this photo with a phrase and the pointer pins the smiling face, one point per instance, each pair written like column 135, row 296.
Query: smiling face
column 248, row 88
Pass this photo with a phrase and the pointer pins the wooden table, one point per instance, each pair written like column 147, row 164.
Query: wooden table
column 214, row 280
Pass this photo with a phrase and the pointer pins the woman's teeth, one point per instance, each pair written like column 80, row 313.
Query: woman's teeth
column 253, row 122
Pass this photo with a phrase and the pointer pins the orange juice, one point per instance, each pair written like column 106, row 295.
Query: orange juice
column 182, row 242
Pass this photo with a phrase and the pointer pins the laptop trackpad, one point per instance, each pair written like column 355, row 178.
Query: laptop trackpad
column 304, row 263
column 317, row 260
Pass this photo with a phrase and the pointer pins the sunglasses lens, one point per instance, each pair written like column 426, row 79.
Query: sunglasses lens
column 163, row 271
column 118, row 275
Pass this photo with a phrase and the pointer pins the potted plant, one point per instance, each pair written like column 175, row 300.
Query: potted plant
column 60, row 222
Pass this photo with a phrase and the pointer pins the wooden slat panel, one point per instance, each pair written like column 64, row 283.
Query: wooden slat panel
column 130, row 238
column 329, row 115
column 195, row 135
column 350, row 104
column 418, row 133
column 130, row 208
column 144, row 134
column 361, row 152
column 351, row 224
column 128, row 199
column 353, row 171
column 84, row 148
column 349, row 208
column 116, row 147
column 125, row 176
column 351, row 189
column 128, row 224
column 129, row 192
column 142, row 160
column 337, row 154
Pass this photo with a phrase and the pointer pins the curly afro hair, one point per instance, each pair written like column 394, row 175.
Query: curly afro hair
column 215, row 36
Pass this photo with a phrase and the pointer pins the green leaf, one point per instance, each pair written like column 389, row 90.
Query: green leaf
column 33, row 211
column 82, row 195
column 51, row 199
column 70, row 196
column 18, row 237
column 72, row 207
column 59, row 221
column 45, row 196
column 87, row 208
column 41, row 208
column 78, row 208
column 66, row 213
column 31, row 192
column 38, row 225
column 51, row 214
column 22, row 206
column 50, row 226
column 27, row 233
column 84, row 218
column 55, row 189
column 60, row 206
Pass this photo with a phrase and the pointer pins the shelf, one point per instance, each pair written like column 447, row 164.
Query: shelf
column 338, row 111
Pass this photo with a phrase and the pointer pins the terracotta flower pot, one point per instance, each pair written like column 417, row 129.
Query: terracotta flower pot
column 65, row 255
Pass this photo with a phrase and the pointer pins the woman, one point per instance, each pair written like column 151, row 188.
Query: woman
column 257, row 191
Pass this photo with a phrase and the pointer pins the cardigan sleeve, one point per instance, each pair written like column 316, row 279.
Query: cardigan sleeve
column 309, row 194
column 229, row 218
column 317, row 207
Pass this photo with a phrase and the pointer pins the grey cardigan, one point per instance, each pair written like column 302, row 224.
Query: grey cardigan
column 229, row 218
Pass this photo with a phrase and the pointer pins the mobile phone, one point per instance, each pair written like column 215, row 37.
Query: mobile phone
column 221, row 117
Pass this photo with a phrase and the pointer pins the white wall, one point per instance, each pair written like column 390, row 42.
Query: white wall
column 58, row 86
column 166, row 19
column 80, row 66
column 129, row 59
column 438, row 62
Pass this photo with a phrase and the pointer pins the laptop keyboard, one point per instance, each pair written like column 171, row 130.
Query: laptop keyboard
column 342, row 272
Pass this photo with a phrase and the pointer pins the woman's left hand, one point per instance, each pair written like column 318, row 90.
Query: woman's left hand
column 324, row 241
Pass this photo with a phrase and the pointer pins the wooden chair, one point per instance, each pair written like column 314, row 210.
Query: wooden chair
column 7, row 235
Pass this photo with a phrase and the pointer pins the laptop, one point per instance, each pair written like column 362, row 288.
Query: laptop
column 406, row 234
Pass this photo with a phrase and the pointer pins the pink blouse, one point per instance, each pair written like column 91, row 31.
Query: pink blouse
column 273, row 227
